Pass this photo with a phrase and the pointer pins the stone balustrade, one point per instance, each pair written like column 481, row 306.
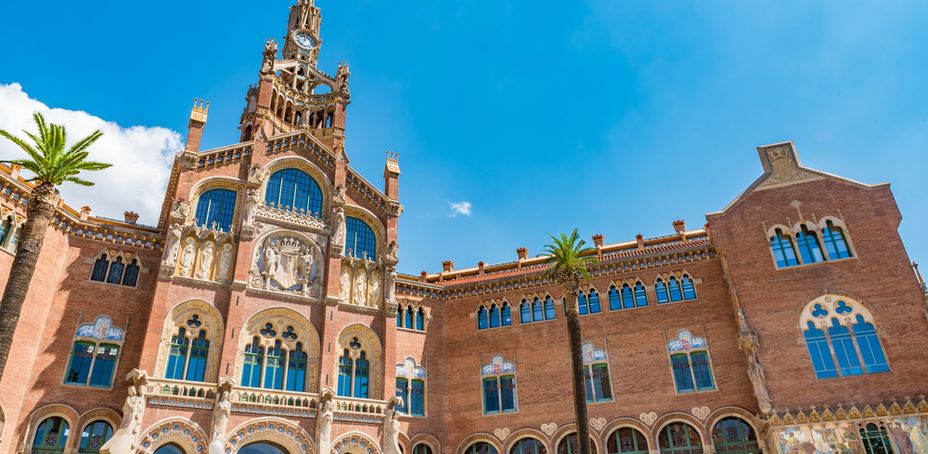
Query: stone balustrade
column 179, row 393
column 274, row 402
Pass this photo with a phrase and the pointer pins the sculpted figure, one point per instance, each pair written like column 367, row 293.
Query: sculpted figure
column 271, row 259
column 124, row 439
column 391, row 429
column 190, row 255
column 360, row 288
column 206, row 261
column 255, row 175
column 172, row 244
column 393, row 251
column 338, row 196
column 341, row 80
column 390, row 286
column 225, row 263
column 220, row 423
column 251, row 205
column 375, row 290
column 270, row 55
column 324, row 424
column 748, row 343
column 179, row 211
column 339, row 224
column 346, row 285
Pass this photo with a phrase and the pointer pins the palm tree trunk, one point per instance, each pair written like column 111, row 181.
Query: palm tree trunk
column 39, row 214
column 576, row 365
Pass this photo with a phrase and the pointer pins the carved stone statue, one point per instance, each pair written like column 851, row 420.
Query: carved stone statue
column 172, row 244
column 251, row 205
column 391, row 428
column 188, row 258
column 179, row 211
column 393, row 251
column 360, row 288
column 324, row 422
column 225, row 264
column 306, row 270
column 206, row 261
column 270, row 55
column 341, row 80
column 376, row 294
column 255, row 175
column 338, row 196
column 271, row 261
column 220, row 423
column 389, row 287
column 125, row 437
column 748, row 343
column 338, row 221
column 346, row 284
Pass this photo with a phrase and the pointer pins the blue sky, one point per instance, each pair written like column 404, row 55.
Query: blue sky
column 615, row 117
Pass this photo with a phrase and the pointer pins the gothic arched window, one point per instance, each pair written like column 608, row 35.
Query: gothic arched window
column 354, row 371
column 360, row 241
column 215, row 209
column 525, row 312
column 409, row 318
column 809, row 248
column 94, row 354
column 420, row 320
column 549, row 308
column 499, row 386
column 660, row 289
column 294, row 190
column 410, row 386
column 253, row 361
column 100, row 265
column 628, row 297
column 51, row 436
column 876, row 439
column 6, row 227
column 583, row 304
column 421, row 448
column 841, row 338
column 673, row 286
column 615, row 300
column 680, row 438
column 482, row 318
column 275, row 360
column 596, row 374
column 689, row 359
column 399, row 316
column 626, row 440
column 94, row 436
column 593, row 299
column 131, row 277
column 835, row 242
column 641, row 296
column 689, row 290
column 783, row 251
column 733, row 435
column 296, row 369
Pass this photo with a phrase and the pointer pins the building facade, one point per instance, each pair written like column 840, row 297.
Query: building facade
column 265, row 314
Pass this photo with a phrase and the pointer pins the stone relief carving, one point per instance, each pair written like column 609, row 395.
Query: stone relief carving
column 391, row 427
column 270, row 55
column 179, row 211
column 225, row 264
column 749, row 344
column 338, row 226
column 360, row 288
column 341, row 80
column 324, row 422
column 251, row 205
column 207, row 252
column 221, row 413
column 172, row 245
column 286, row 262
column 125, row 438
column 376, row 293
column 700, row 412
column 549, row 428
column 783, row 166
column 501, row 433
column 389, row 286
column 598, row 423
column 188, row 258
column 255, row 175
column 648, row 418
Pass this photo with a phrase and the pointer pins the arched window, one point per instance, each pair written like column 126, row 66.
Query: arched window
column 506, row 314
column 641, row 296
column 626, row 440
column 51, row 436
column 783, row 251
column 689, row 290
column 570, row 445
column 6, row 227
column 528, row 446
column 525, row 312
column 421, row 448
column 420, row 320
column 253, row 361
column 263, row 447
column 596, row 374
column 188, row 352
column 294, row 190
column 680, row 438
column 615, row 301
column 835, row 330
column 131, row 277
column 170, row 449
column 835, row 242
column 99, row 269
column 94, row 354
column 410, row 386
column 494, row 316
column 409, row 318
column 734, row 436
column 673, row 285
column 875, row 439
column 689, row 358
column 538, row 310
column 114, row 276
column 113, row 270
column 809, row 248
column 270, row 364
column 360, row 241
column 296, row 369
column 499, row 386
column 660, row 289
column 549, row 308
column 481, row 447
column 482, row 318
column 215, row 209
column 354, row 371
column 94, row 436
column 583, row 304
column 399, row 316
column 595, row 306
column 628, row 297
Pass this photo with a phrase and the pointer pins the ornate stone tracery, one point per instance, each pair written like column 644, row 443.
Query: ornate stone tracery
column 362, row 283
column 282, row 320
column 289, row 262
column 193, row 316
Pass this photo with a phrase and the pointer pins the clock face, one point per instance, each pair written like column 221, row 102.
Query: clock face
column 304, row 40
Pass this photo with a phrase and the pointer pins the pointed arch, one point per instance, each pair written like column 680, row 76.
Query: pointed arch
column 290, row 436
column 192, row 316
column 290, row 332
column 360, row 346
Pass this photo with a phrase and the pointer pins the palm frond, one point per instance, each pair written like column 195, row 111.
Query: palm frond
column 569, row 258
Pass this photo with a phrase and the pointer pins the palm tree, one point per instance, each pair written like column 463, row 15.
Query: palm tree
column 569, row 259
column 52, row 166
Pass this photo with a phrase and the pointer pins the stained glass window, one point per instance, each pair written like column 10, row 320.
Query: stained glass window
column 294, row 190
column 360, row 241
column 680, row 438
column 94, row 436
column 481, row 447
column 733, row 435
column 626, row 440
column 528, row 446
column 783, row 252
column 835, row 242
column 51, row 436
column 215, row 209
column 809, row 248
column 570, row 445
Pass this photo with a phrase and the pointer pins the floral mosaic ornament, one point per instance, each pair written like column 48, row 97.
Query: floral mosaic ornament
column 102, row 328
column 592, row 354
column 498, row 366
column 409, row 369
column 685, row 341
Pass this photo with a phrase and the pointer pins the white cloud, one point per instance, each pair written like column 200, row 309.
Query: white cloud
column 459, row 208
column 141, row 156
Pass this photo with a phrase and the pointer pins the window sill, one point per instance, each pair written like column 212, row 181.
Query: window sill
column 701, row 391
column 599, row 402
column 410, row 330
column 537, row 322
column 87, row 387
column 110, row 284
column 494, row 328
column 502, row 413
column 812, row 265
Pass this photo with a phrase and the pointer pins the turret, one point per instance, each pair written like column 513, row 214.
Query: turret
column 196, row 125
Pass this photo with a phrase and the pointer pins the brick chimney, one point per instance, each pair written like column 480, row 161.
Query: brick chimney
column 598, row 240
column 423, row 276
column 14, row 170
column 679, row 226
column 85, row 213
column 522, row 253
column 481, row 268
column 196, row 125
column 131, row 217
column 640, row 238
column 447, row 266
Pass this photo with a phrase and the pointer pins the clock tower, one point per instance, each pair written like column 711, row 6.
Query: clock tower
column 302, row 40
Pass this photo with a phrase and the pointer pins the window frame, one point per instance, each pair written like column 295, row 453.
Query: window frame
column 693, row 345
column 116, row 341
column 495, row 372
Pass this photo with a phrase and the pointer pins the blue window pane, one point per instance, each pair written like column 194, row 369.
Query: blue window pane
column 702, row 370
column 494, row 316
column 593, row 299
column 132, row 274
column 199, row 351
column 490, row 395
column 809, row 249
column 115, row 274
column 409, row 316
column 251, row 367
column 52, row 433
column 782, row 248
column 819, row 352
column 525, row 312
column 79, row 368
column 676, row 294
column 507, row 393
column 177, row 355
column 538, row 311
column 94, row 436
column 628, row 298
column 846, row 354
column 274, row 367
column 399, row 317
column 345, row 364
column 549, row 309
column 588, row 384
column 104, row 365
column 682, row 375
column 215, row 209
column 99, row 269
column 870, row 348
column 661, row 290
column 402, row 392
column 294, row 190
column 482, row 318
column 417, row 397
column 615, row 301
column 835, row 243
column 296, row 370
column 601, row 384
column 361, row 371
column 507, row 315
column 360, row 240
column 582, row 304
column 420, row 320
column 689, row 291
column 641, row 296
